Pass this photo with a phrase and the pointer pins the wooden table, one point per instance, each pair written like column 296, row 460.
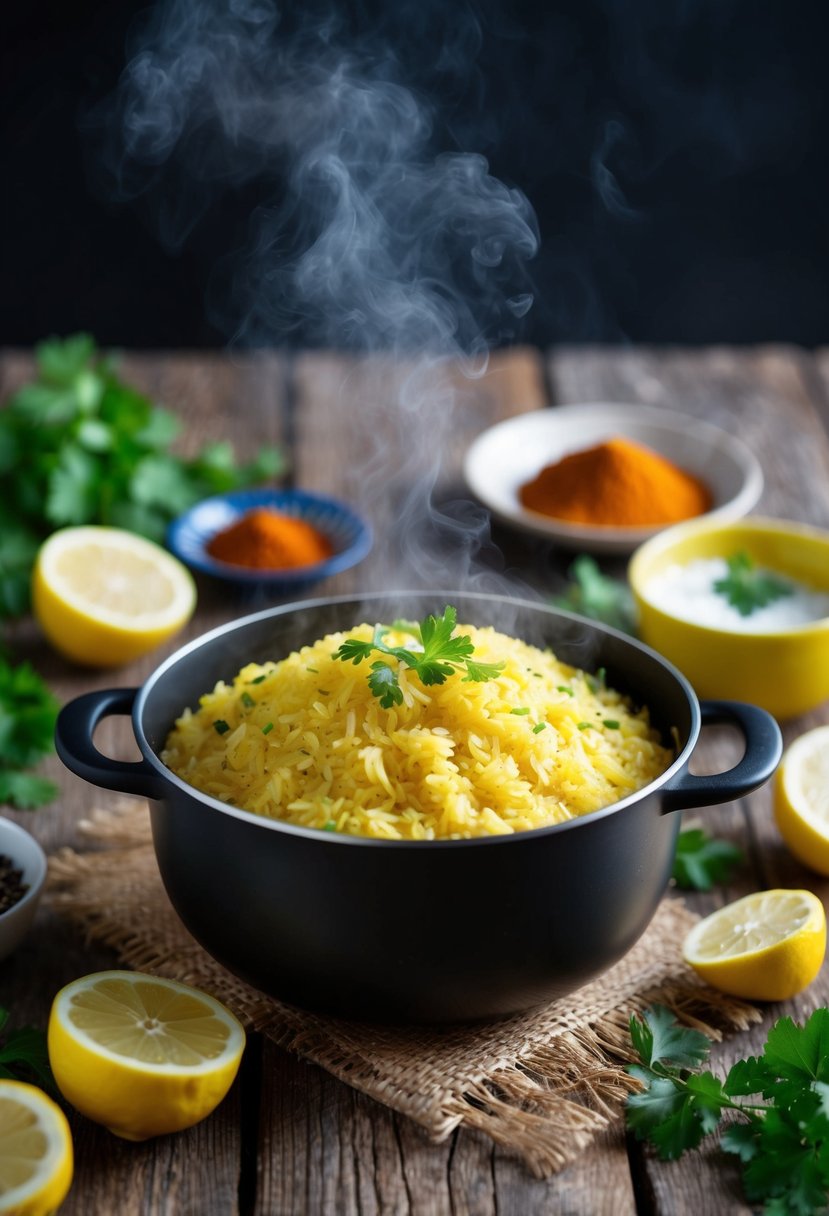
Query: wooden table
column 290, row 1139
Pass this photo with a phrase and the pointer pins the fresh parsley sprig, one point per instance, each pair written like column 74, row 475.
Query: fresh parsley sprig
column 702, row 860
column 80, row 445
column 24, row 1055
column 438, row 655
column 598, row 596
column 782, row 1138
column 28, row 711
column 746, row 588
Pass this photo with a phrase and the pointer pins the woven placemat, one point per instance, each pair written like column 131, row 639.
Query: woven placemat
column 542, row 1084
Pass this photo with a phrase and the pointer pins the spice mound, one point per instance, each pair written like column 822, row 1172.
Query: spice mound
column 264, row 539
column 616, row 484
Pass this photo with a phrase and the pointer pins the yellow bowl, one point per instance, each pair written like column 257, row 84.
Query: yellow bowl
column 785, row 671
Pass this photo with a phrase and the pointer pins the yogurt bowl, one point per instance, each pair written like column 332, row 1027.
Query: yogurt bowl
column 776, row 656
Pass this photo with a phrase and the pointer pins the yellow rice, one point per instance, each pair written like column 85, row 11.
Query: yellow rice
column 304, row 740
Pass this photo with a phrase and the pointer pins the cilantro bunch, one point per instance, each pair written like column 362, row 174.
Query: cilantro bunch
column 78, row 445
column 781, row 1136
column 27, row 726
column 437, row 655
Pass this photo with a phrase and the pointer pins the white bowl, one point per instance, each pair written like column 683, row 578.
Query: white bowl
column 509, row 454
column 28, row 856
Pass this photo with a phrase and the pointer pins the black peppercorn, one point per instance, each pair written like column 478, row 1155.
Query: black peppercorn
column 12, row 886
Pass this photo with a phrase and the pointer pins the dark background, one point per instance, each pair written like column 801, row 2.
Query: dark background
column 675, row 155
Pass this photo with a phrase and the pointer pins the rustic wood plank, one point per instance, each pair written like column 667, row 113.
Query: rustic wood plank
column 198, row 1170
column 770, row 397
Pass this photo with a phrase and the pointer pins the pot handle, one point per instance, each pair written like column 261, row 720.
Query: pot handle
column 73, row 741
column 764, row 747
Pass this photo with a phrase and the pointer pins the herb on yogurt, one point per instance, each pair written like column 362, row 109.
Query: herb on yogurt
column 746, row 588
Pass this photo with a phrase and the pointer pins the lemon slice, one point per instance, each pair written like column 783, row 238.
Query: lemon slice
column 36, row 1158
column 142, row 1055
column 801, row 798
column 105, row 596
column 765, row 947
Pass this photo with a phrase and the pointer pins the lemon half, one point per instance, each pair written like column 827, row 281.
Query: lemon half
column 801, row 798
column 144, row 1056
column 765, row 947
column 105, row 596
column 36, row 1159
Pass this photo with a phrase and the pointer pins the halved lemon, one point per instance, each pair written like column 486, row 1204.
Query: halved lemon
column 105, row 596
column 36, row 1159
column 142, row 1055
column 765, row 947
column 801, row 798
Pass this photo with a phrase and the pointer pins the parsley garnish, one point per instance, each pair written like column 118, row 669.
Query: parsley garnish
column 539, row 726
column 565, row 688
column 701, row 860
column 439, row 655
column 27, row 728
column 24, row 1057
column 220, row 726
column 247, row 700
column 523, row 709
column 610, row 723
column 78, row 445
column 746, row 588
column 584, row 725
column 266, row 730
column 782, row 1140
column 595, row 595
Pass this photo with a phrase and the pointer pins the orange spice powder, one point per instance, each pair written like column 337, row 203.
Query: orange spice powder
column 619, row 484
column 264, row 539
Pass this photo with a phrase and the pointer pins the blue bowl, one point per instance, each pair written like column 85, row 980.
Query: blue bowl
column 349, row 534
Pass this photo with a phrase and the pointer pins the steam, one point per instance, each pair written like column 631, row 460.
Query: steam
column 363, row 235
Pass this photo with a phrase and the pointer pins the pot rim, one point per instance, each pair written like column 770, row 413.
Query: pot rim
column 337, row 838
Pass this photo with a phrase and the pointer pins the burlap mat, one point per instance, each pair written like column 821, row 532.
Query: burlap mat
column 542, row 1084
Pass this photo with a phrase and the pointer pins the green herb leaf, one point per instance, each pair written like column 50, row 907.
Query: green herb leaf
column 701, row 860
column 439, row 655
column 598, row 597
column 28, row 711
column 384, row 684
column 746, row 588
column 24, row 1056
column 658, row 1038
column 220, row 726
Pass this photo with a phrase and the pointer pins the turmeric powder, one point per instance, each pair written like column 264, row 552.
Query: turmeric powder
column 264, row 539
column 616, row 484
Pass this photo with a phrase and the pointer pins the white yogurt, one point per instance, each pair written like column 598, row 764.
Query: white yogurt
column 687, row 592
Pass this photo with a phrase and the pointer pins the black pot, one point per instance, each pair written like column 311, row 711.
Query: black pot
column 414, row 931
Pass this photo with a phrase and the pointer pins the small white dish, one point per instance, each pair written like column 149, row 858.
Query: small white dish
column 501, row 459
column 28, row 856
